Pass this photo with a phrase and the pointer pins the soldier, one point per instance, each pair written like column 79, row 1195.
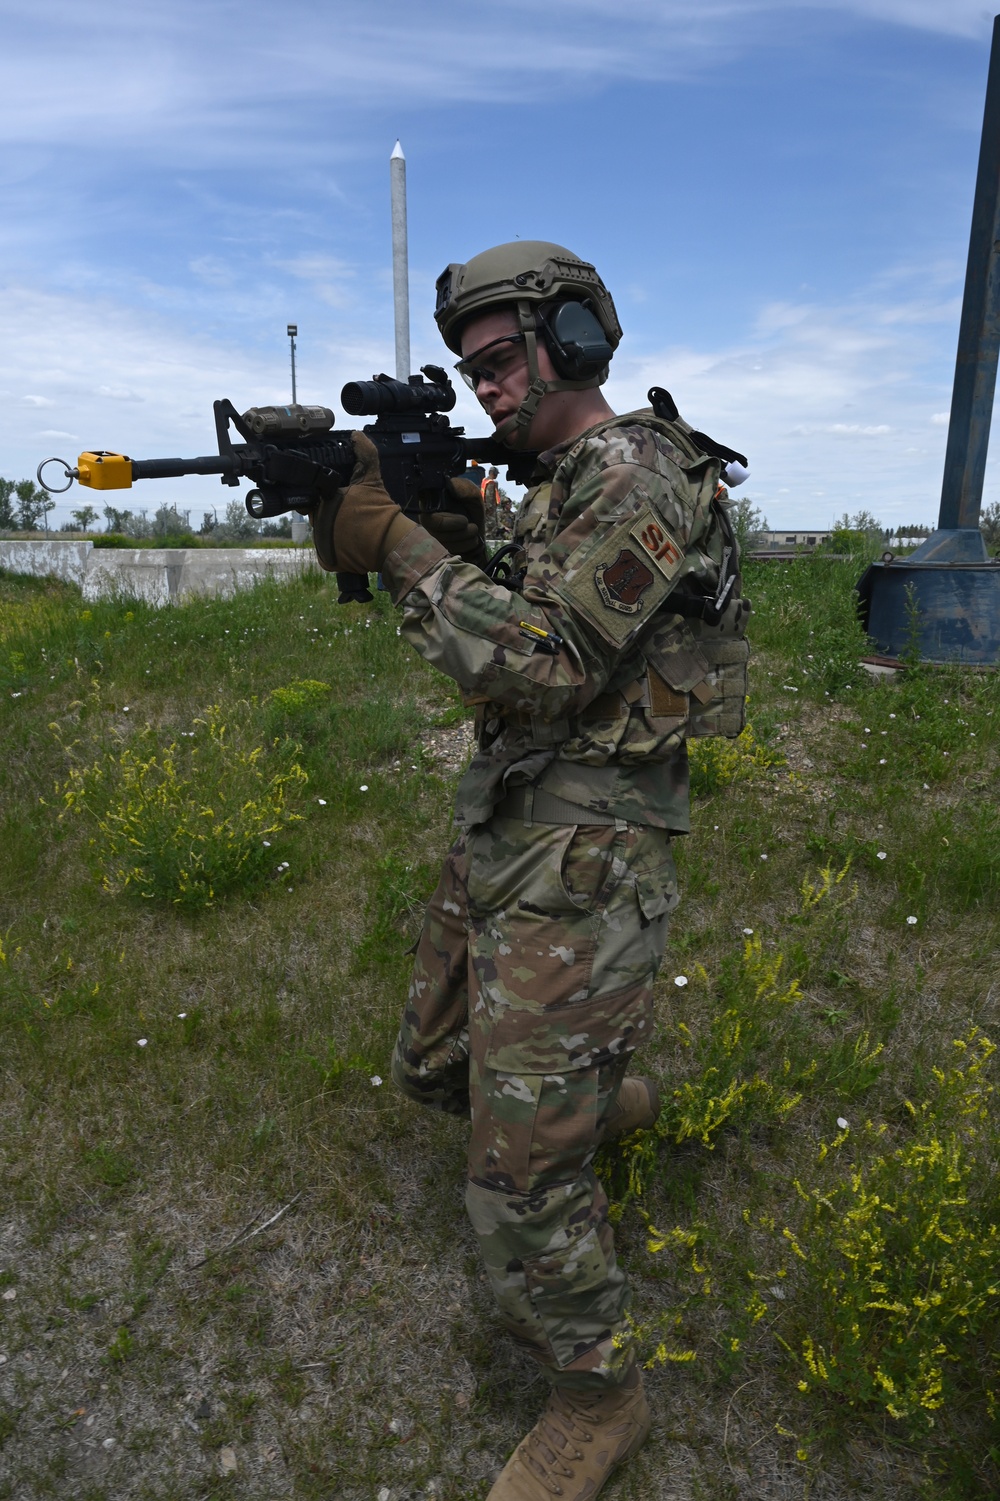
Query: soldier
column 505, row 515
column 532, row 984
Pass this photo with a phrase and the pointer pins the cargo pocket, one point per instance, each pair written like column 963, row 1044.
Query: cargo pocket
column 719, row 707
column 655, row 876
column 675, row 670
column 515, row 869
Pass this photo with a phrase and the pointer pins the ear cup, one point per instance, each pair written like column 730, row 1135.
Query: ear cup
column 577, row 344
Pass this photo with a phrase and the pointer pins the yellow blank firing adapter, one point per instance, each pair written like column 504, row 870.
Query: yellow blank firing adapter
column 104, row 471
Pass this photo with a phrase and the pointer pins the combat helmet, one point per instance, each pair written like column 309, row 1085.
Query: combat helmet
column 554, row 294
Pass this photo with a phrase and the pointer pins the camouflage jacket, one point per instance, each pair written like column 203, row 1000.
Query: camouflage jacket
column 616, row 520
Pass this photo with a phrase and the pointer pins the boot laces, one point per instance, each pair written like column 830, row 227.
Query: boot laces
column 551, row 1448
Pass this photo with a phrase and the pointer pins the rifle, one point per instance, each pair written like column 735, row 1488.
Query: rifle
column 292, row 453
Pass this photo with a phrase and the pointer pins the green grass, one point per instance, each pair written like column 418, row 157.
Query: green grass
column 350, row 1346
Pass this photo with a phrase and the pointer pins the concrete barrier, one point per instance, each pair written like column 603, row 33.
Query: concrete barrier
column 157, row 575
column 58, row 560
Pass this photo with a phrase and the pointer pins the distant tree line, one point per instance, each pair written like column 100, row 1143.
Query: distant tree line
column 237, row 524
column 24, row 507
column 750, row 523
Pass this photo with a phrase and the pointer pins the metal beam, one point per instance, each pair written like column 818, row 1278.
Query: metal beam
column 979, row 331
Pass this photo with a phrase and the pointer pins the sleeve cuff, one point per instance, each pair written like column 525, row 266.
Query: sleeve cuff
column 415, row 555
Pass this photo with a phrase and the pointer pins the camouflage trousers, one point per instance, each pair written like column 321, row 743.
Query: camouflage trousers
column 531, row 988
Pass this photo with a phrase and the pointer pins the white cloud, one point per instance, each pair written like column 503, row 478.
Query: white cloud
column 858, row 430
column 828, row 402
column 118, row 393
column 169, row 87
column 331, row 280
column 846, row 396
column 132, row 382
column 212, row 270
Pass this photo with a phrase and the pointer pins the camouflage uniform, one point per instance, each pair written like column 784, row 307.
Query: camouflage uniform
column 533, row 977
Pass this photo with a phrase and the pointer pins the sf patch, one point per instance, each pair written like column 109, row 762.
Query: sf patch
column 656, row 542
column 622, row 584
column 615, row 581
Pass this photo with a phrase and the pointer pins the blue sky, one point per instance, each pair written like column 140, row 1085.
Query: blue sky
column 777, row 192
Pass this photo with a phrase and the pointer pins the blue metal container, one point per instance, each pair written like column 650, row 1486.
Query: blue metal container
column 953, row 607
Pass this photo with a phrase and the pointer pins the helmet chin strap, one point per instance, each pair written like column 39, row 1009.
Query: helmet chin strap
column 514, row 430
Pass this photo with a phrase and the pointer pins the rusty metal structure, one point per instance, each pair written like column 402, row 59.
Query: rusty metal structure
column 949, row 589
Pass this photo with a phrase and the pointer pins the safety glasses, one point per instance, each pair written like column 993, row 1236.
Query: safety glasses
column 503, row 363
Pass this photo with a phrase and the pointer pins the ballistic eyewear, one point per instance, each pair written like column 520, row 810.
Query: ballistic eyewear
column 472, row 372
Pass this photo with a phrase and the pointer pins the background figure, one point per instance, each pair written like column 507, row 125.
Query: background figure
column 505, row 515
column 491, row 496
column 476, row 473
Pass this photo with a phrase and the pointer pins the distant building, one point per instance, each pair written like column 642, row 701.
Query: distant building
column 767, row 540
column 778, row 541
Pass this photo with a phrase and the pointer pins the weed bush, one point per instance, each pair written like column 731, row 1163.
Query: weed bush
column 726, row 1085
column 301, row 694
column 716, row 762
column 186, row 823
column 897, row 1250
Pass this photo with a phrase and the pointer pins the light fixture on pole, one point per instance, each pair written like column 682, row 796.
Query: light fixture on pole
column 293, row 329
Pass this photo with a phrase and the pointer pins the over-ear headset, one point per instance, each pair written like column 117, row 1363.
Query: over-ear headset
column 576, row 342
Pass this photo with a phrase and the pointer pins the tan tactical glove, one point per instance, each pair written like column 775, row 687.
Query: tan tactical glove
column 461, row 525
column 356, row 528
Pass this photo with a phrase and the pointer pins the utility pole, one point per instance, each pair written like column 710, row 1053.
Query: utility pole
column 293, row 329
column 400, row 263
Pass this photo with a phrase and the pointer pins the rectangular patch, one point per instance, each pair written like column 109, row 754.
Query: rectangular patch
column 614, row 584
column 664, row 701
column 656, row 542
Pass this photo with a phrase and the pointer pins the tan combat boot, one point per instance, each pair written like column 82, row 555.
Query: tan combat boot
column 578, row 1442
column 635, row 1109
